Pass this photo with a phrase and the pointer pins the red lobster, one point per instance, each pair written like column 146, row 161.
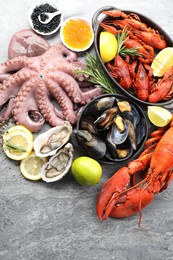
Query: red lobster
column 118, row 201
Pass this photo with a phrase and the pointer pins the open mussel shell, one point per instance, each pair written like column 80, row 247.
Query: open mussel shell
column 114, row 143
column 49, row 142
column 118, row 153
column 58, row 165
column 98, row 106
column 116, row 134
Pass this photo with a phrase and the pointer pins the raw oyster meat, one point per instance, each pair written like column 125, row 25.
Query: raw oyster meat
column 58, row 165
column 49, row 142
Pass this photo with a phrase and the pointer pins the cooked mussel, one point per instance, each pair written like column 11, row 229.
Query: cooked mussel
column 94, row 145
column 111, row 131
column 119, row 131
column 98, row 106
column 88, row 124
column 106, row 118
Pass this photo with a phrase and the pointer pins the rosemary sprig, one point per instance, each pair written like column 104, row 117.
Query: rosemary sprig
column 14, row 147
column 96, row 73
column 123, row 50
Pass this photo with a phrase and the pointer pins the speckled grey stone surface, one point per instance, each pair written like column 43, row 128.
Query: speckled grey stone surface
column 40, row 221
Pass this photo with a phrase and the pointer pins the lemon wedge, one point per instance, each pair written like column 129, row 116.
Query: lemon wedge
column 31, row 166
column 159, row 116
column 162, row 62
column 108, row 46
column 17, row 144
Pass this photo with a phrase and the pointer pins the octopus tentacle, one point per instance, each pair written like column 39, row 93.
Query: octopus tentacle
column 70, row 85
column 45, row 87
column 14, row 64
column 63, row 100
column 25, row 110
column 4, row 76
column 69, row 68
column 8, row 90
column 6, row 110
column 48, row 110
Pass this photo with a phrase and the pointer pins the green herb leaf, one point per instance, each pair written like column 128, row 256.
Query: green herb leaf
column 14, row 147
column 96, row 73
column 122, row 50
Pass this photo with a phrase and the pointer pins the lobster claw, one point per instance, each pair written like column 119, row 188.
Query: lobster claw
column 118, row 201
column 110, row 191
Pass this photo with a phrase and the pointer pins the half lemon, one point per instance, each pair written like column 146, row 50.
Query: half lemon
column 31, row 166
column 162, row 62
column 23, row 129
column 159, row 116
column 108, row 46
column 17, row 145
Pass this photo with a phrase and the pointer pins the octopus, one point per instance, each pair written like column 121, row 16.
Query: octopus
column 45, row 88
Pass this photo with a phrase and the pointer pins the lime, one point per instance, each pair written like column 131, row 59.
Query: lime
column 159, row 116
column 31, row 166
column 162, row 62
column 17, row 144
column 86, row 171
column 108, row 46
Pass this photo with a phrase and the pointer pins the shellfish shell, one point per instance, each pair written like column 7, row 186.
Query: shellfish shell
column 58, row 165
column 49, row 142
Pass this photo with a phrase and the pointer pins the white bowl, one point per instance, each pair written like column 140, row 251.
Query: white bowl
column 75, row 48
column 44, row 26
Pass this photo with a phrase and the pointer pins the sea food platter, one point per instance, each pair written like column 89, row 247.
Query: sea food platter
column 67, row 83
column 114, row 21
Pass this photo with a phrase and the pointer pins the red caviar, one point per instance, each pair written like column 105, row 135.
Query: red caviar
column 77, row 34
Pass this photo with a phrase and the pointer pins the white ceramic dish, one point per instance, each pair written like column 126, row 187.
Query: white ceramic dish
column 44, row 26
column 77, row 35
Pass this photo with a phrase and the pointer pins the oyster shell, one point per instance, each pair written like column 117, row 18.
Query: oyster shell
column 58, row 165
column 49, row 142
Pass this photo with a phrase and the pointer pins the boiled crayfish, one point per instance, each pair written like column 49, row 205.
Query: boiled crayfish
column 118, row 201
column 135, row 72
column 138, row 30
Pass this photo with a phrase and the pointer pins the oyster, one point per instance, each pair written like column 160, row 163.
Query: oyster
column 58, row 165
column 49, row 142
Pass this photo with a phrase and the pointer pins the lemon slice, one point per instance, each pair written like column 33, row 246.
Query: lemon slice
column 159, row 116
column 17, row 144
column 21, row 128
column 31, row 166
column 108, row 46
column 162, row 62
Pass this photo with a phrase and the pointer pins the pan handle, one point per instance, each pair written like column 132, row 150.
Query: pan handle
column 96, row 15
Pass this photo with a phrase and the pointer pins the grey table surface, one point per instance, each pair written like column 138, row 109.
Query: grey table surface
column 58, row 221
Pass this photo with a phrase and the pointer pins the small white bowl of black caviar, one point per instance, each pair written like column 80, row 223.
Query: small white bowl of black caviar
column 38, row 9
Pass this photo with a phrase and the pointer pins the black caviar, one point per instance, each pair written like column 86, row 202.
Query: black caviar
column 45, row 28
